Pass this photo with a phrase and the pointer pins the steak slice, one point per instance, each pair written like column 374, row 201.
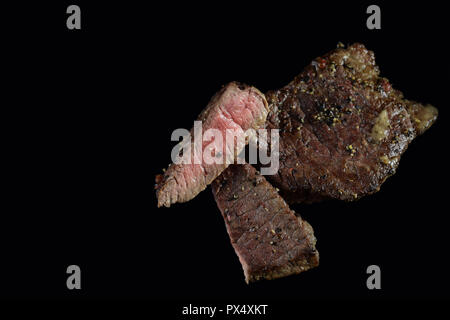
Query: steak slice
column 342, row 128
column 235, row 107
column 269, row 239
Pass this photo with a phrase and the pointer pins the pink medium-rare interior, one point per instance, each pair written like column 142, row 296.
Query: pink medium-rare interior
column 238, row 110
column 242, row 108
column 235, row 109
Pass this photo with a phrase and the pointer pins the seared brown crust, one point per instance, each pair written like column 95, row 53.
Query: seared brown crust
column 270, row 241
column 342, row 128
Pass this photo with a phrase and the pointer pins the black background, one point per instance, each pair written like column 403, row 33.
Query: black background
column 89, row 124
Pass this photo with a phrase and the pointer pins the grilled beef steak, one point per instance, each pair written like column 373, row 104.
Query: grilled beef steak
column 342, row 128
column 270, row 241
column 236, row 107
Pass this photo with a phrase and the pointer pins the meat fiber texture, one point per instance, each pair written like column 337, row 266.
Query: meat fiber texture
column 235, row 107
column 269, row 239
column 342, row 128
